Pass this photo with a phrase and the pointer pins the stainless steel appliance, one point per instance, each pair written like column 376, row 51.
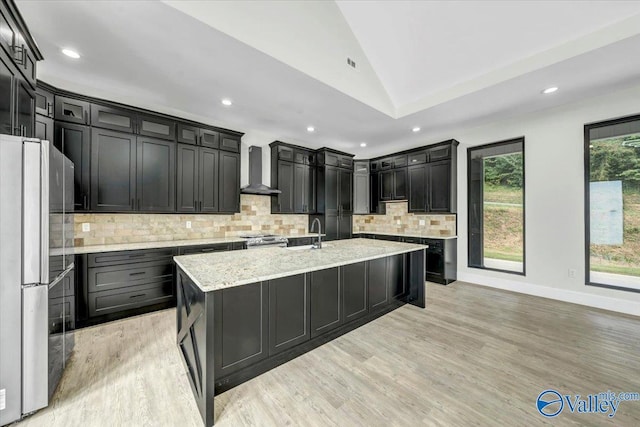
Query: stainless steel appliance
column 36, row 233
column 257, row 241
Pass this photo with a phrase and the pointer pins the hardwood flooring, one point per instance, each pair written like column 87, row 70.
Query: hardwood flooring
column 474, row 356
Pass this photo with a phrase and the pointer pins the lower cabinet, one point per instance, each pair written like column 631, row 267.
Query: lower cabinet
column 240, row 322
column 326, row 301
column 354, row 291
column 378, row 289
column 397, row 280
column 288, row 312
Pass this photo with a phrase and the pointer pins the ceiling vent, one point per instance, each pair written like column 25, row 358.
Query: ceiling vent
column 351, row 62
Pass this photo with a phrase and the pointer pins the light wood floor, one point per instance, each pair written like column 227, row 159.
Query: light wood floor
column 475, row 356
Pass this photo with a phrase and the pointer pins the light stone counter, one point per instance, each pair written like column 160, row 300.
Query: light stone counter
column 221, row 270
column 151, row 245
column 421, row 236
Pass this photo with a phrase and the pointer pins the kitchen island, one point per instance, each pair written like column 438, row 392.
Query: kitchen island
column 242, row 313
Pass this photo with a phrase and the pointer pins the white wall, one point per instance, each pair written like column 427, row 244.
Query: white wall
column 554, row 198
column 259, row 139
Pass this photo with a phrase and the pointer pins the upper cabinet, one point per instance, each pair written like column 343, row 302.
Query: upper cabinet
column 293, row 172
column 132, row 160
column 361, row 187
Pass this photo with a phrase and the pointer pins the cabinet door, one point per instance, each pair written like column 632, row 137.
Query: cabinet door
column 377, row 281
column 331, row 188
column 345, row 226
column 229, row 142
column 331, row 227
column 25, row 109
column 209, row 185
column 396, row 280
column 417, row 188
column 156, row 175
column 113, row 118
column 241, row 331
column 6, row 100
column 187, row 179
column 326, row 301
column 300, row 180
column 44, row 102
column 71, row 110
column 361, row 193
column 374, row 192
column 229, row 182
column 209, row 138
column 386, row 185
column 44, row 128
column 113, row 171
column 345, row 191
column 400, row 184
column 440, row 153
column 74, row 141
column 354, row 291
column 157, row 127
column 440, row 186
column 188, row 134
column 310, row 189
column 288, row 312
column 285, row 184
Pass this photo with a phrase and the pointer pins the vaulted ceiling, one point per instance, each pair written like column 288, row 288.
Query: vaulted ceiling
column 439, row 65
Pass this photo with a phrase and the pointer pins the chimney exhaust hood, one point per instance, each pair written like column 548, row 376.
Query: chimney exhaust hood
column 255, row 175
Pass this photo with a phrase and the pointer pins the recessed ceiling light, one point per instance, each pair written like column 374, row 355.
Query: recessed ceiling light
column 363, row 144
column 550, row 90
column 416, row 129
column 71, row 53
column 310, row 129
column 226, row 102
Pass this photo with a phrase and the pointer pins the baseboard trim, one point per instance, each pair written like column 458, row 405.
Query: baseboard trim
column 597, row 301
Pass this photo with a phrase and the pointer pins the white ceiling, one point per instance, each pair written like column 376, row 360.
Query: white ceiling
column 284, row 63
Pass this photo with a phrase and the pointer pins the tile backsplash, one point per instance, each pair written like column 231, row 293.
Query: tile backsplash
column 398, row 220
column 255, row 216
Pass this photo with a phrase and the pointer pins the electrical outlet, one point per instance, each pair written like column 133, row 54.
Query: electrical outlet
column 86, row 227
column 398, row 222
column 188, row 224
column 3, row 399
column 572, row 273
column 422, row 222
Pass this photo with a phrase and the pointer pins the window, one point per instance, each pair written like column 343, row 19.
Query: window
column 612, row 203
column 496, row 206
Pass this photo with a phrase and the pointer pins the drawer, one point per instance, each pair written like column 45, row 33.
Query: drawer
column 124, row 276
column 417, row 158
column 127, row 257
column 209, row 138
column 229, row 143
column 191, row 250
column 108, row 302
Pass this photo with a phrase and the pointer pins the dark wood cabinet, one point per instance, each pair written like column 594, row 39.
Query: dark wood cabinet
column 326, row 301
column 229, row 142
column 209, row 180
column 293, row 173
column 210, row 138
column 44, row 102
column 386, row 185
column 7, row 107
column 400, row 183
column 361, row 187
column 285, row 179
column 378, row 289
column 397, row 279
column 288, row 312
column 25, row 102
column 187, row 178
column 188, row 134
column 113, row 118
column 44, row 128
column 74, row 141
column 304, row 188
column 229, row 189
column 418, row 188
column 354, row 291
column 440, row 191
column 156, row 127
column 113, row 171
column 72, row 110
column 335, row 201
column 241, row 327
column 155, row 175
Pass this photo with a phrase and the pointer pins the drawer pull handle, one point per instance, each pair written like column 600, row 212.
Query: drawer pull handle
column 139, row 273
column 137, row 296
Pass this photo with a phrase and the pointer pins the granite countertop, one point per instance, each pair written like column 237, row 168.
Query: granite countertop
column 114, row 247
column 221, row 270
column 422, row 236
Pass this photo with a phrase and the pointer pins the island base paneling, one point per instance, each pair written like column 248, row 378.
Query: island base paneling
column 228, row 336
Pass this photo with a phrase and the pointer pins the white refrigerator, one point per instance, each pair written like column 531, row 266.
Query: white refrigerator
column 36, row 242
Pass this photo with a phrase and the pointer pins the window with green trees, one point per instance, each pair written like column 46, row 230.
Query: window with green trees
column 612, row 193
column 496, row 206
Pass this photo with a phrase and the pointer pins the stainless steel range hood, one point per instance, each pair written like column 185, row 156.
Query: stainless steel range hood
column 255, row 175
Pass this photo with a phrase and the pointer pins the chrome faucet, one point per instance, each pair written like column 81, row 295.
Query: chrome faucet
column 318, row 244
